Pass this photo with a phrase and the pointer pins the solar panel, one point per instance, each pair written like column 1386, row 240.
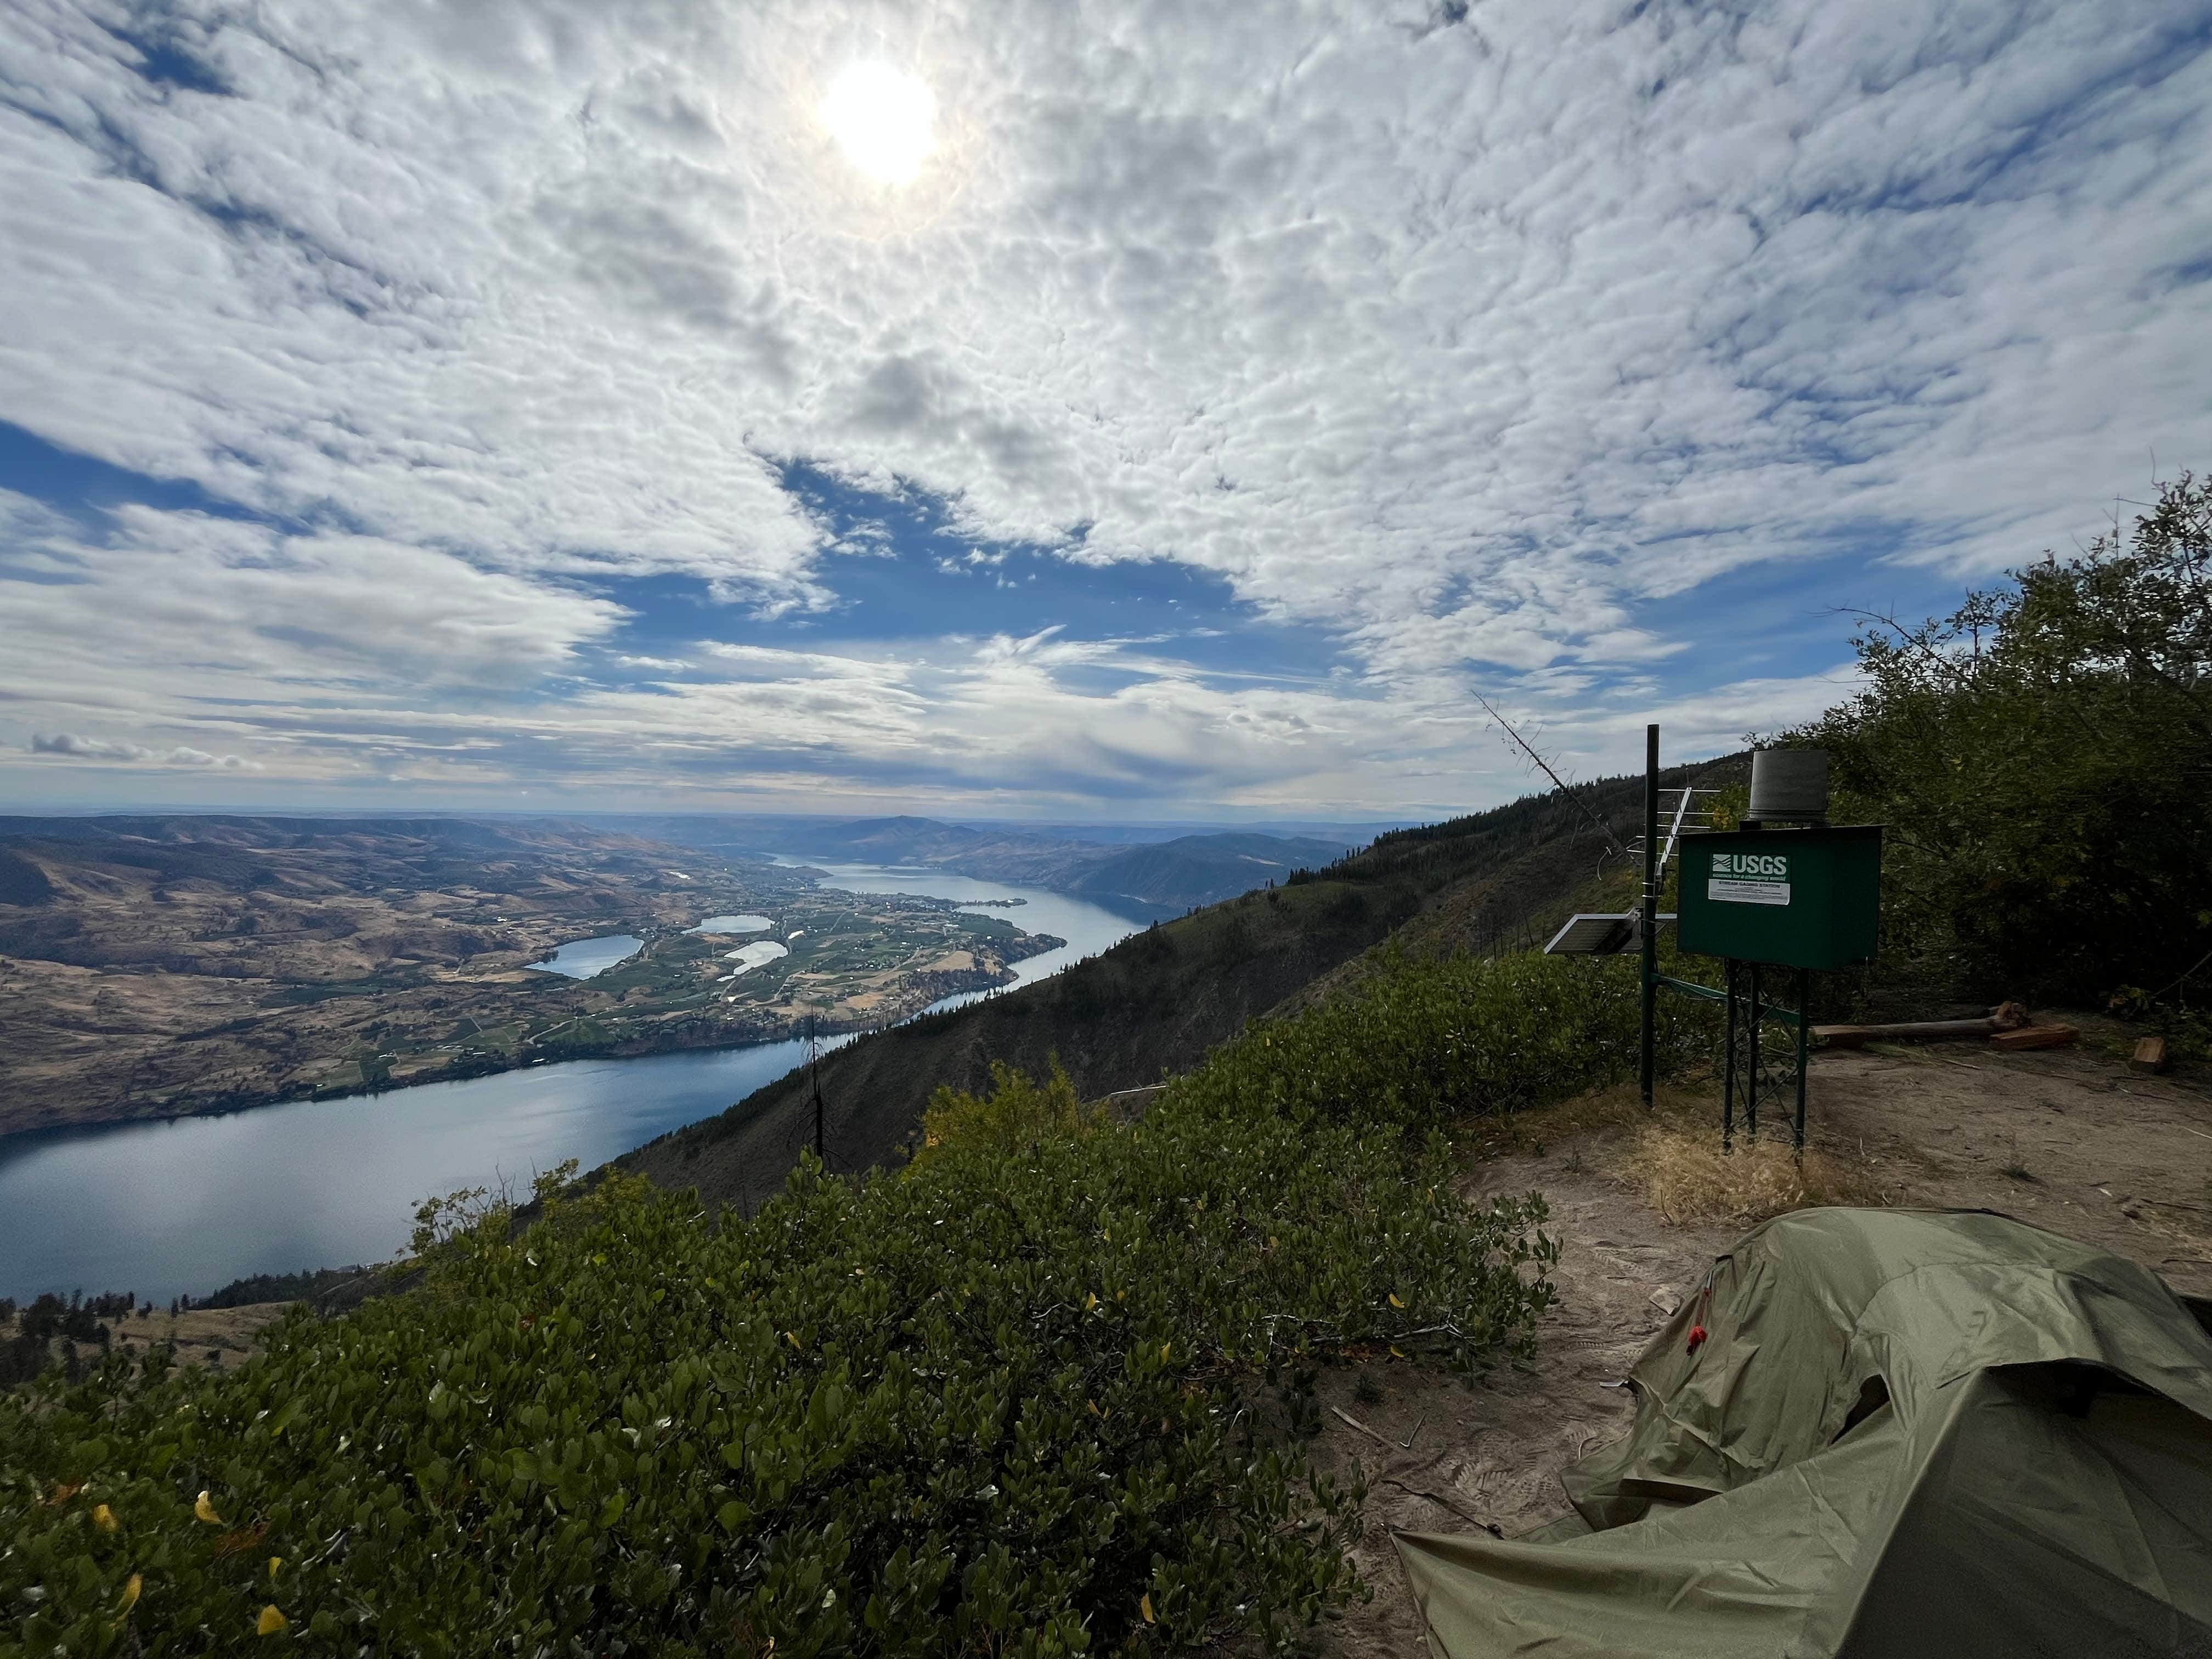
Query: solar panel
column 1594, row 936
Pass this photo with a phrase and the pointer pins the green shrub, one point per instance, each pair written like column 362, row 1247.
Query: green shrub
column 999, row 1402
column 1016, row 1113
column 2042, row 757
column 1426, row 1041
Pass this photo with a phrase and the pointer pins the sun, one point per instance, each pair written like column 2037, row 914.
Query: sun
column 883, row 118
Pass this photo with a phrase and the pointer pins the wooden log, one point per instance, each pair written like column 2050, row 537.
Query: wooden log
column 2036, row 1037
column 2149, row 1055
column 1913, row 1030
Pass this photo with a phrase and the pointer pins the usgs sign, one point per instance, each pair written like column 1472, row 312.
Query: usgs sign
column 1749, row 878
column 1799, row 898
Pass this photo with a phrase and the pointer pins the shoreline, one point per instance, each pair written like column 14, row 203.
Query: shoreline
column 480, row 1065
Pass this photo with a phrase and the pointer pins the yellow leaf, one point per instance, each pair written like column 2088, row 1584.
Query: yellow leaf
column 1397, row 1352
column 204, row 1508
column 791, row 1339
column 103, row 1517
column 1394, row 1300
column 271, row 1622
column 275, row 1562
column 131, row 1592
column 1145, row 1607
column 1090, row 1302
column 1164, row 1346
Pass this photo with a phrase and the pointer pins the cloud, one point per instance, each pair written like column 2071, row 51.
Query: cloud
column 68, row 742
column 82, row 748
column 1476, row 346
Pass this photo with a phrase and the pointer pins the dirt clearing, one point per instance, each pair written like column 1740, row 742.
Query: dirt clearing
column 2070, row 1140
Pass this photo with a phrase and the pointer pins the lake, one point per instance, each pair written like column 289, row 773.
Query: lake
column 583, row 958
column 190, row 1204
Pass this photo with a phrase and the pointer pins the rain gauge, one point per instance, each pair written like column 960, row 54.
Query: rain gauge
column 1785, row 895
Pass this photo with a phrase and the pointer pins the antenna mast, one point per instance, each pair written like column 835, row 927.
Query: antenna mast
column 1522, row 743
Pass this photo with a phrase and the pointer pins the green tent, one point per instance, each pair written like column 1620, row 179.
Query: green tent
column 1877, row 1433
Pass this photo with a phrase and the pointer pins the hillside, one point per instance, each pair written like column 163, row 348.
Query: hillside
column 1172, row 876
column 1155, row 1003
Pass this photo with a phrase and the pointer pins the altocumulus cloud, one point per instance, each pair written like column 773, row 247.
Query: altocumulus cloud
column 1525, row 348
column 80, row 748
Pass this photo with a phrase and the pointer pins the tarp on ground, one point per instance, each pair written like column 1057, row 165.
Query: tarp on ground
column 1903, row 1433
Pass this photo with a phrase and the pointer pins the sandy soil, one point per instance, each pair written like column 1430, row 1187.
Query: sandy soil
column 2067, row 1139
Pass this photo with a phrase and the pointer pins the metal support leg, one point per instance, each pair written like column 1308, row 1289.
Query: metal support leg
column 1804, row 1025
column 1754, row 1051
column 1727, row 1066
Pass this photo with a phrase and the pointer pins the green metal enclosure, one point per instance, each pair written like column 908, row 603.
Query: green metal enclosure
column 1795, row 899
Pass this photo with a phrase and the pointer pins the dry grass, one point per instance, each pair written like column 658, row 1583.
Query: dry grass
column 1672, row 1156
column 1600, row 1115
column 1687, row 1178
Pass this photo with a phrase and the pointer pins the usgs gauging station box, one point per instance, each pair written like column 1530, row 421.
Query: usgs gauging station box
column 1798, row 899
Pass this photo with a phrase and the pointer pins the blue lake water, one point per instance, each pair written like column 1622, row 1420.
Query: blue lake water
column 582, row 958
column 1088, row 928
column 188, row 1205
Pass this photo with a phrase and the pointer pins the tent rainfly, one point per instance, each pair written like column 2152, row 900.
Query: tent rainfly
column 1877, row 1433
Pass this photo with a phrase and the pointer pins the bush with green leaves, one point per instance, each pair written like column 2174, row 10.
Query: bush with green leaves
column 1004, row 1401
column 1015, row 1111
column 2043, row 758
column 1427, row 1041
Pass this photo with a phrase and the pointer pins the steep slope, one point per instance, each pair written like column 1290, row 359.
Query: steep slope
column 1171, row 876
column 1157, row 1002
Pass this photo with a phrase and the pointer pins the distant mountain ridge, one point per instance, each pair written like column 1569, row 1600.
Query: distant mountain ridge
column 1193, row 870
column 1151, row 880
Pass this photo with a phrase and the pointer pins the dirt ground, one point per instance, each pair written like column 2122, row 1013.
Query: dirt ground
column 203, row 1336
column 2071, row 1140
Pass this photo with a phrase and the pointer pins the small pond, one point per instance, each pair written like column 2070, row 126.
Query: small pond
column 582, row 958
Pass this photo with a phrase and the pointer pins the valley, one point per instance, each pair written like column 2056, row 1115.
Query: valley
column 166, row 966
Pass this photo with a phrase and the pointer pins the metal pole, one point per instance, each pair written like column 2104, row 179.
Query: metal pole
column 1804, row 1018
column 1728, row 1067
column 1647, row 1062
column 1752, row 1040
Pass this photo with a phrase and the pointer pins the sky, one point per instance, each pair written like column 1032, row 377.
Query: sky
column 1052, row 411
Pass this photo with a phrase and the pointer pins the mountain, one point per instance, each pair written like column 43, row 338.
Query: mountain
column 1156, row 1003
column 1172, row 876
column 1151, row 880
